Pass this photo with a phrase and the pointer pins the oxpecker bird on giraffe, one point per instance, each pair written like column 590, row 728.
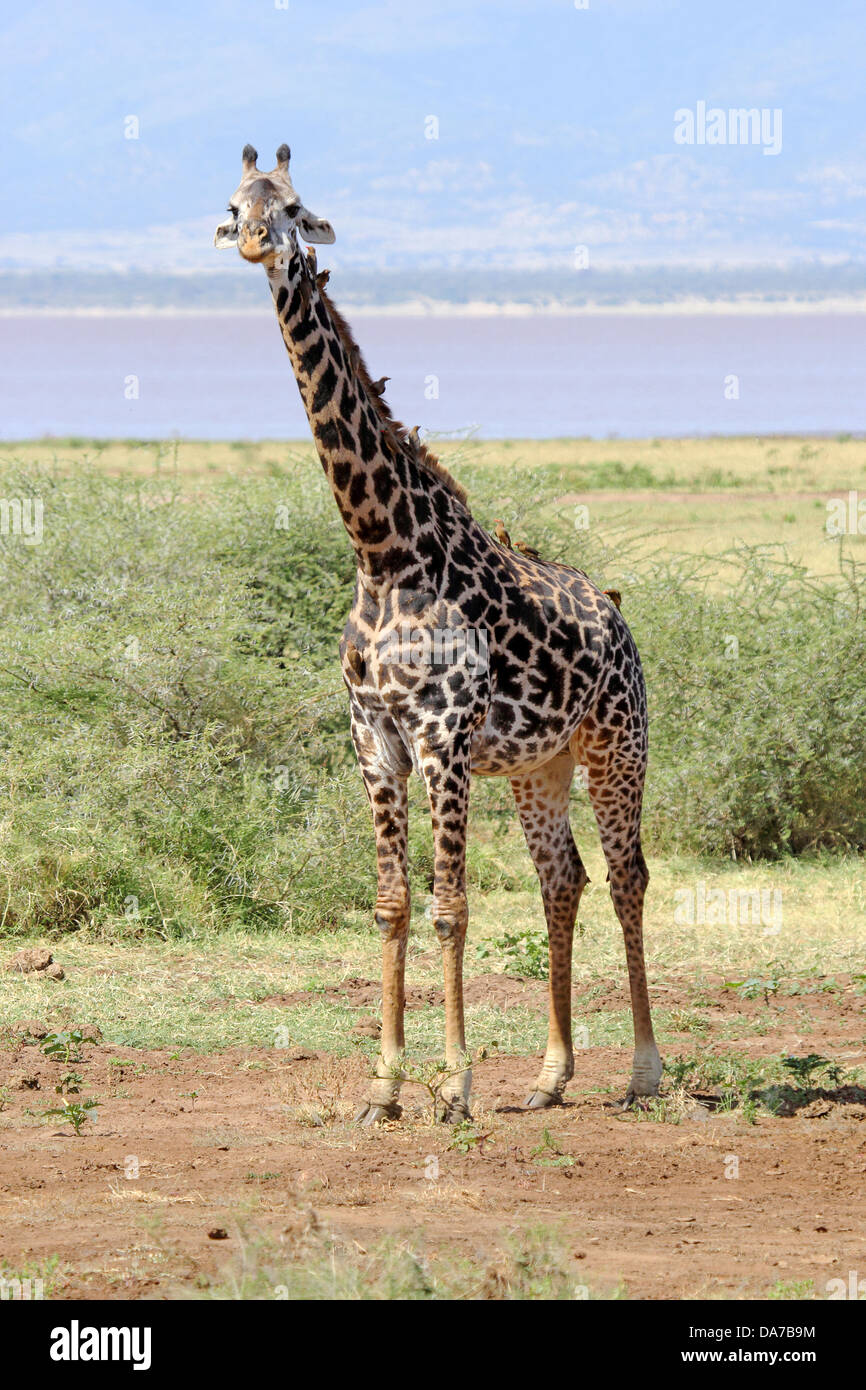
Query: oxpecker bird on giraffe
column 462, row 656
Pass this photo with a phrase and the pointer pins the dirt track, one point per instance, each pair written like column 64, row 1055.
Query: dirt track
column 644, row 1204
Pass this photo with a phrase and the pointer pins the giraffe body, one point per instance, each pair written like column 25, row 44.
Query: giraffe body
column 461, row 656
column 522, row 703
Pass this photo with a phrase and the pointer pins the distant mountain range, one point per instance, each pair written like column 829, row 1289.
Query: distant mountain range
column 238, row 289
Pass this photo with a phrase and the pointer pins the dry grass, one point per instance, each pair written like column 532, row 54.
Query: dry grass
column 773, row 490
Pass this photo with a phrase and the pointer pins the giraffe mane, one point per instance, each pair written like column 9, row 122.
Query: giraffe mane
column 394, row 428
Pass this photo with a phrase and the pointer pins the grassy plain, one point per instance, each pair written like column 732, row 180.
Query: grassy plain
column 183, row 828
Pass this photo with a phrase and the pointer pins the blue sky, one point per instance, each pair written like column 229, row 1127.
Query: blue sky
column 556, row 129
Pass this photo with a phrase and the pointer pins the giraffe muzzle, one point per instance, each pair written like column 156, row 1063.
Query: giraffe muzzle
column 254, row 242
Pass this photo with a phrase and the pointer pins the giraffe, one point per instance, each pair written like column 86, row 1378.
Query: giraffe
column 461, row 656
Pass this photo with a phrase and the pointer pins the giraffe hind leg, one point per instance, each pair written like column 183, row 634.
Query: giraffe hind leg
column 542, row 804
column 615, row 769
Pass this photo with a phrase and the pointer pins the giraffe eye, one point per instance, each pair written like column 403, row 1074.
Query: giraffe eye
column 234, row 211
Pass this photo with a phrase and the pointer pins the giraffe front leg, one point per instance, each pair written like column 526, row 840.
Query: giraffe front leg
column 542, row 803
column 388, row 798
column 446, row 776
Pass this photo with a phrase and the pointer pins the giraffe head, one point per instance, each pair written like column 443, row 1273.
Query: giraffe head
column 266, row 212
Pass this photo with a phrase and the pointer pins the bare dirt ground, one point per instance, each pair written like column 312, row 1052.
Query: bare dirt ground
column 187, row 1152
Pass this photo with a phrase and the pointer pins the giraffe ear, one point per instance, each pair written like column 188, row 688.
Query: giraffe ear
column 226, row 234
column 315, row 228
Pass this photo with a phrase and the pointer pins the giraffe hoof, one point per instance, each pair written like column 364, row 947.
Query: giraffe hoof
column 454, row 1112
column 634, row 1100
column 541, row 1100
column 370, row 1113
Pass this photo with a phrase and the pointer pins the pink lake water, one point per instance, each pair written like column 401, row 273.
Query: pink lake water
column 218, row 377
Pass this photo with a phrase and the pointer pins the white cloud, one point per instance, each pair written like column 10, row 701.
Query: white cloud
column 178, row 246
column 438, row 176
column 837, row 180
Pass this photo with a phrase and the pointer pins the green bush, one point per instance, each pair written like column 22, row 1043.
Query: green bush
column 174, row 750
column 758, row 708
column 175, row 755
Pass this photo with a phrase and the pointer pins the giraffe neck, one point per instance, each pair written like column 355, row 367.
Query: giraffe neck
column 395, row 510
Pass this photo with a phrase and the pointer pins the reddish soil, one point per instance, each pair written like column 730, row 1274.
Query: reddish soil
column 356, row 992
column 267, row 1134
